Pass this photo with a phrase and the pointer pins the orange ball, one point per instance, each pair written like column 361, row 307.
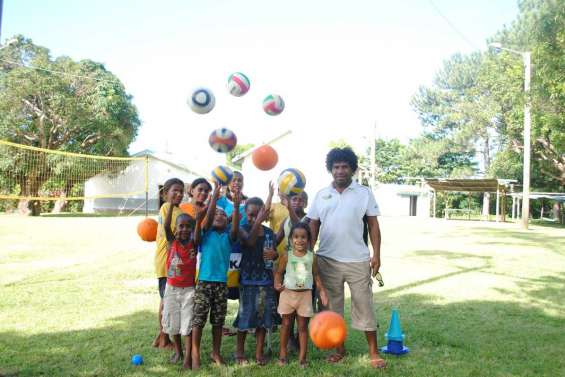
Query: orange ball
column 327, row 330
column 147, row 230
column 265, row 157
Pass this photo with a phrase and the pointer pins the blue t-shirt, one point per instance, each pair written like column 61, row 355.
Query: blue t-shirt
column 227, row 205
column 215, row 250
column 252, row 269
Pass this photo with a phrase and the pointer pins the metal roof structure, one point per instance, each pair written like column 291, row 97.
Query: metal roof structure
column 557, row 196
column 470, row 184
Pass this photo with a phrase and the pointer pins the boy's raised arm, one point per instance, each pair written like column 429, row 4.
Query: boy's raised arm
column 211, row 208
column 234, row 232
column 250, row 238
column 197, row 237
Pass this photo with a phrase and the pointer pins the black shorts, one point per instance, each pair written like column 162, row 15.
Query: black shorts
column 162, row 285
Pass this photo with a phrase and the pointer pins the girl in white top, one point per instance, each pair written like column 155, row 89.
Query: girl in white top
column 296, row 292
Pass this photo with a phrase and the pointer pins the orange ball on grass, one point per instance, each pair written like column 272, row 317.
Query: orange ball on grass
column 327, row 330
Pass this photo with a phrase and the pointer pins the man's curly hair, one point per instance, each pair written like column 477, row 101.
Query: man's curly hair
column 341, row 155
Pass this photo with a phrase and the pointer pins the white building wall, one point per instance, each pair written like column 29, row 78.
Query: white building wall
column 132, row 179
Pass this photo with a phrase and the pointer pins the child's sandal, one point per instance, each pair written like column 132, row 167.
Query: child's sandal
column 283, row 361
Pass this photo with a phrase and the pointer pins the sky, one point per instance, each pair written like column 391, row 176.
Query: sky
column 346, row 69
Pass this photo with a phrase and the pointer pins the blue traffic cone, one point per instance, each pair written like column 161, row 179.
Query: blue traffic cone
column 395, row 337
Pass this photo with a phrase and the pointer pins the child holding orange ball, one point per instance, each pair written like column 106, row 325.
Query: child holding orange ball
column 299, row 268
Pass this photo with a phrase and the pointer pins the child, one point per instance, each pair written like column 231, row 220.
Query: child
column 211, row 291
column 296, row 292
column 256, row 297
column 178, row 299
column 234, row 187
column 198, row 192
column 174, row 189
column 295, row 204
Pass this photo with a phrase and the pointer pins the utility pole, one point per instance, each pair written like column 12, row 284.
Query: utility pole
column 374, row 158
column 526, row 57
column 1, row 6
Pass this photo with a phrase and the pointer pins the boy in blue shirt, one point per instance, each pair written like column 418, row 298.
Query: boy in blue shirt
column 211, row 295
column 256, row 291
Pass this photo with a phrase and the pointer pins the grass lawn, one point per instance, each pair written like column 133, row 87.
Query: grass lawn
column 78, row 298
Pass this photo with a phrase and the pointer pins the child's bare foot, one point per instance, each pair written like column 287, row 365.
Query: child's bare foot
column 156, row 340
column 240, row 359
column 217, row 358
column 175, row 358
column 303, row 364
column 187, row 362
column 165, row 342
column 282, row 361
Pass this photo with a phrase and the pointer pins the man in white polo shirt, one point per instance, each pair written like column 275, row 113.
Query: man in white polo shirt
column 343, row 257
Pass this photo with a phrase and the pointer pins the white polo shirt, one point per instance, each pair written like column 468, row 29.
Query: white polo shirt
column 341, row 218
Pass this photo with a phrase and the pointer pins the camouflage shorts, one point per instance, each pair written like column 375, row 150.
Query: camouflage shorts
column 210, row 297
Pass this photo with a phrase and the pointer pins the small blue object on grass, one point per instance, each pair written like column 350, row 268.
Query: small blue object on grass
column 395, row 337
column 137, row 359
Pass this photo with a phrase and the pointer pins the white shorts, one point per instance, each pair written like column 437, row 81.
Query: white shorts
column 178, row 306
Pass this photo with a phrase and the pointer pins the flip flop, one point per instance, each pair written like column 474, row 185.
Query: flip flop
column 335, row 358
column 261, row 362
column 239, row 359
column 283, row 361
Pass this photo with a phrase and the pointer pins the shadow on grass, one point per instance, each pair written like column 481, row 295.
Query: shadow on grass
column 555, row 244
column 546, row 291
column 471, row 338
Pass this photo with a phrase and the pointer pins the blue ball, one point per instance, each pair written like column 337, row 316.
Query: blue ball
column 137, row 359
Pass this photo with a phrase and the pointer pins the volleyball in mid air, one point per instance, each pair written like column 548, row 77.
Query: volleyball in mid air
column 222, row 175
column 291, row 181
column 222, row 140
column 238, row 84
column 202, row 101
column 273, row 104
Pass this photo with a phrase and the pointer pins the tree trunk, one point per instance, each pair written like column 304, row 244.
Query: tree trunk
column 29, row 187
column 486, row 204
column 61, row 203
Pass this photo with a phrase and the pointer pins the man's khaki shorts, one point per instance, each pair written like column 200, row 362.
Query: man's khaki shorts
column 358, row 276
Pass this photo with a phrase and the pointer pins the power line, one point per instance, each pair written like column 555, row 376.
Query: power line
column 455, row 29
column 59, row 72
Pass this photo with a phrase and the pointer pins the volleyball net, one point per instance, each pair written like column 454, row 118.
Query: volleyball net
column 31, row 173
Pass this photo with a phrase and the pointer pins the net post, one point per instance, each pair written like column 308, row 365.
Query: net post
column 146, row 185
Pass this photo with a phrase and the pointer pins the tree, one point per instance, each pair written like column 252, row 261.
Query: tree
column 60, row 104
column 237, row 151
column 540, row 28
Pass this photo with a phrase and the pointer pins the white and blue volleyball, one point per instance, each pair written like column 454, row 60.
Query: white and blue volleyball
column 291, row 181
column 273, row 104
column 222, row 175
column 222, row 140
column 202, row 101
column 238, row 84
